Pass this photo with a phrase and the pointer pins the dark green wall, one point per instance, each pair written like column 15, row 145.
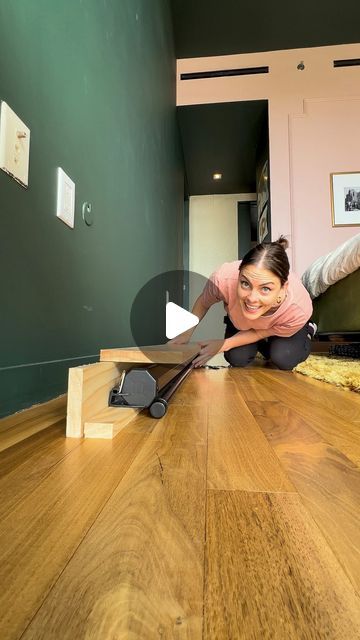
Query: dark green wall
column 95, row 83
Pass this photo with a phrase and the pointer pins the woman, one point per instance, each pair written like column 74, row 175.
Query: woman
column 268, row 310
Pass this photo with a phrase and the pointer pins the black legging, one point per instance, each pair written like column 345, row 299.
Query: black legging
column 285, row 353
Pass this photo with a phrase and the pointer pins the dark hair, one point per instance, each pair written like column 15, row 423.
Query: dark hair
column 271, row 256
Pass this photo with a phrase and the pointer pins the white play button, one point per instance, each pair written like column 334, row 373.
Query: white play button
column 178, row 320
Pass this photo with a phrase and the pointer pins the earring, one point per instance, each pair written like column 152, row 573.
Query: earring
column 278, row 300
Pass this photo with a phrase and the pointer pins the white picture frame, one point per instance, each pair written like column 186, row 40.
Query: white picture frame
column 345, row 199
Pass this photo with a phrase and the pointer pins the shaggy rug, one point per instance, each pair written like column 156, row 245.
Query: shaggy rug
column 344, row 372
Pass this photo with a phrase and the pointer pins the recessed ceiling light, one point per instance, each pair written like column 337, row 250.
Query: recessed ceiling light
column 217, row 176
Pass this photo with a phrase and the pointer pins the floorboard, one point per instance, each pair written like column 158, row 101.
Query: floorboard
column 42, row 531
column 140, row 569
column 48, row 449
column 15, row 456
column 270, row 573
column 329, row 397
column 15, row 428
column 235, row 517
column 327, row 480
column 239, row 456
column 334, row 413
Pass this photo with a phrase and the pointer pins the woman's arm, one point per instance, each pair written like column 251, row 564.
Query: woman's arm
column 198, row 310
column 209, row 348
column 245, row 337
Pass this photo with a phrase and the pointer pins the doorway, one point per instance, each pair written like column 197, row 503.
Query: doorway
column 247, row 225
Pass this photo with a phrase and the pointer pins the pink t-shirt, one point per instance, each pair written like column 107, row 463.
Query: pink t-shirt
column 286, row 320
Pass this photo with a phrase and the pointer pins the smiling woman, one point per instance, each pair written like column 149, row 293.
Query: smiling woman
column 263, row 279
column 268, row 309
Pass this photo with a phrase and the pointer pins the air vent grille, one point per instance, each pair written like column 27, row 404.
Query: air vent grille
column 223, row 73
column 351, row 62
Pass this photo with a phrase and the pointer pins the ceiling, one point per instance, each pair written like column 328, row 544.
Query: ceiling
column 213, row 28
column 224, row 137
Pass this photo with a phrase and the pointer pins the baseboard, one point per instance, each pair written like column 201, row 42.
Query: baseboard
column 324, row 341
column 25, row 423
column 321, row 348
column 338, row 337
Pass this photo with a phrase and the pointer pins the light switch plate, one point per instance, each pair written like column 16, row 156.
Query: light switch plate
column 65, row 204
column 14, row 145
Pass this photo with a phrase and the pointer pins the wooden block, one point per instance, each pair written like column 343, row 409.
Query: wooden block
column 108, row 422
column 160, row 353
column 88, row 392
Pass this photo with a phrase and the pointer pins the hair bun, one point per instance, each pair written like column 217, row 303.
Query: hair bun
column 283, row 242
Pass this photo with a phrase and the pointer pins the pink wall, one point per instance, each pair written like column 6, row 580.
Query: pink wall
column 314, row 128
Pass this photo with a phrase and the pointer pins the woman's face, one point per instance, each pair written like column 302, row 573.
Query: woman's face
column 258, row 290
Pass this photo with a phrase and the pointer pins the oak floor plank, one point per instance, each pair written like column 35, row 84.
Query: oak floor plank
column 107, row 541
column 250, row 384
column 12, row 436
column 335, row 414
column 270, row 573
column 29, row 462
column 339, row 401
column 17, row 454
column 326, row 479
column 20, row 425
column 139, row 572
column 177, row 424
column 41, row 533
column 201, row 387
column 239, row 456
column 334, row 429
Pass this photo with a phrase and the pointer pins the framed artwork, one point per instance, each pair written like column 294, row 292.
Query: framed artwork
column 263, row 188
column 263, row 224
column 345, row 199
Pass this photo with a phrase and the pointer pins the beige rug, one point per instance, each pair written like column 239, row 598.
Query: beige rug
column 344, row 372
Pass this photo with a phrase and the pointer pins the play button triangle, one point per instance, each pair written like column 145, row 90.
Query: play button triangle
column 178, row 320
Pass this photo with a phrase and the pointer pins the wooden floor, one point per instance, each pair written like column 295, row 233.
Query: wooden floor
column 234, row 517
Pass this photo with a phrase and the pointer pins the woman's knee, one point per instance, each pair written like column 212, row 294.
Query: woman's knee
column 240, row 356
column 287, row 358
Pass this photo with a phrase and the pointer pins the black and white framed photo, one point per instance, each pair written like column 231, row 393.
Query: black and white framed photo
column 345, row 199
column 263, row 188
column 263, row 224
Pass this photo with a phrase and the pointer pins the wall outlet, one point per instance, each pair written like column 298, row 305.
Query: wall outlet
column 14, row 145
column 65, row 204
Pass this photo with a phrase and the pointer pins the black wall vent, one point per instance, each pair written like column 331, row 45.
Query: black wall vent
column 222, row 73
column 352, row 62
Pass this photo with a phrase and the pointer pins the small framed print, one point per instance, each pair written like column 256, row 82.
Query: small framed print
column 345, row 199
column 263, row 224
column 263, row 188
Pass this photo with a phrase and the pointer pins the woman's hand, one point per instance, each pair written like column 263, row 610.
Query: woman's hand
column 209, row 348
